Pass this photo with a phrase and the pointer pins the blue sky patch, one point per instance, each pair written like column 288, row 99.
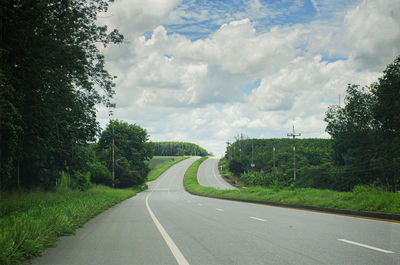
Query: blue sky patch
column 331, row 59
column 147, row 35
column 248, row 88
column 203, row 17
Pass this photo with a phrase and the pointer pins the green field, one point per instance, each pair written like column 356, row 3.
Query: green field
column 156, row 160
column 362, row 198
column 31, row 221
column 159, row 164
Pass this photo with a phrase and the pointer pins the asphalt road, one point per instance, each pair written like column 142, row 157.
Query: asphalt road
column 166, row 225
column 209, row 176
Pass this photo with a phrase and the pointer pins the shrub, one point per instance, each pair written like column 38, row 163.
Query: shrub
column 81, row 181
column 99, row 174
column 256, row 178
column 125, row 175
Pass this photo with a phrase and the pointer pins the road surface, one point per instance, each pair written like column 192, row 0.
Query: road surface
column 166, row 225
column 209, row 175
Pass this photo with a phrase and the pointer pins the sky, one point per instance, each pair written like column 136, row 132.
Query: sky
column 206, row 71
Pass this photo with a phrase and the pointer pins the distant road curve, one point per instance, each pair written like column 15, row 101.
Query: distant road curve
column 209, row 176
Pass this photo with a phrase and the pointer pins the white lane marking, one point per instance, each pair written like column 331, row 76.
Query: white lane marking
column 174, row 249
column 259, row 219
column 219, row 209
column 366, row 246
column 199, row 204
column 218, row 179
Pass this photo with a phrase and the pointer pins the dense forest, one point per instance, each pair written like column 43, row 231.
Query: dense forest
column 247, row 156
column 364, row 148
column 178, row 149
column 52, row 76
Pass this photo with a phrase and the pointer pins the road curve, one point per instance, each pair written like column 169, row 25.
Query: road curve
column 208, row 175
column 211, row 231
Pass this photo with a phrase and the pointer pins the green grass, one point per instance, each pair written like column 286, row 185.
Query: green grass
column 31, row 221
column 161, row 167
column 363, row 198
column 156, row 160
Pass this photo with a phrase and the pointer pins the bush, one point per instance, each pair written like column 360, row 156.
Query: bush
column 256, row 178
column 99, row 174
column 81, row 181
column 64, row 181
column 319, row 177
column 125, row 175
column 236, row 166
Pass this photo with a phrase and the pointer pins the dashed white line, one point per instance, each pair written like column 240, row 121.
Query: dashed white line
column 219, row 209
column 258, row 219
column 366, row 246
column 199, row 204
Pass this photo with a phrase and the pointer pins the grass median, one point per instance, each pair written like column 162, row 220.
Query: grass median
column 363, row 198
column 31, row 221
column 162, row 167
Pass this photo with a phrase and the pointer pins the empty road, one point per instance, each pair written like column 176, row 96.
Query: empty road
column 209, row 176
column 166, row 225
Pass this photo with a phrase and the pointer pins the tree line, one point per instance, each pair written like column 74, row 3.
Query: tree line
column 178, row 149
column 254, row 159
column 364, row 148
column 52, row 76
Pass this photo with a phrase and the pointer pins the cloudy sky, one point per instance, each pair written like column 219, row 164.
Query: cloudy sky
column 204, row 71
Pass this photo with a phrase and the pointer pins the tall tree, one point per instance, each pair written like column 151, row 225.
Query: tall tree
column 51, row 63
column 132, row 150
column 352, row 128
column 386, row 112
column 366, row 132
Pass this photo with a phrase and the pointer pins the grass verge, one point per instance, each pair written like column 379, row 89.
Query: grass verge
column 361, row 199
column 161, row 168
column 31, row 221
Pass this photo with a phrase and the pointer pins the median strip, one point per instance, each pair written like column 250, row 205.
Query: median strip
column 259, row 195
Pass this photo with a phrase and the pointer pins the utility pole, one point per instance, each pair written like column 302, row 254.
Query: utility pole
column 113, row 157
column 293, row 134
column 273, row 158
column 240, row 149
column 252, row 155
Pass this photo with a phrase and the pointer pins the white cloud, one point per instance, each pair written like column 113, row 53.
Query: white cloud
column 317, row 10
column 134, row 17
column 372, row 33
column 188, row 90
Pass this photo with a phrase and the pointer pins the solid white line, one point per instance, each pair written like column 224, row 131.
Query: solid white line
column 218, row 209
column 259, row 219
column 366, row 246
column 174, row 249
column 218, row 179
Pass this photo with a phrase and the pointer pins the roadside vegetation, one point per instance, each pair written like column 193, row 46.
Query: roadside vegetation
column 362, row 198
column 53, row 152
column 31, row 221
column 363, row 149
column 160, row 164
column 178, row 149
